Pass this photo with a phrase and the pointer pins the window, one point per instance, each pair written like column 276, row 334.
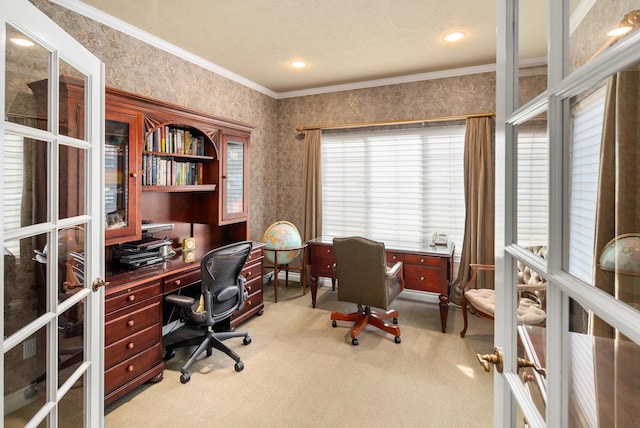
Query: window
column 586, row 135
column 397, row 186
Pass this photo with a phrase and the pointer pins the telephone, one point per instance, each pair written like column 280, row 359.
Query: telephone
column 440, row 238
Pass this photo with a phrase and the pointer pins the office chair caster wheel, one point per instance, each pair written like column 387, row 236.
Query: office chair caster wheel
column 185, row 377
column 397, row 339
column 239, row 366
column 354, row 341
column 169, row 354
column 246, row 340
column 334, row 323
column 395, row 320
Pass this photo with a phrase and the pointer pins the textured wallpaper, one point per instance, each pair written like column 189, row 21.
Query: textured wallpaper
column 276, row 156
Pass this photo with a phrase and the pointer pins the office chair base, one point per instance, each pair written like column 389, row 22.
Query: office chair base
column 365, row 316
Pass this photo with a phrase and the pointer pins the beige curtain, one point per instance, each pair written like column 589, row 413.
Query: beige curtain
column 618, row 204
column 479, row 194
column 312, row 185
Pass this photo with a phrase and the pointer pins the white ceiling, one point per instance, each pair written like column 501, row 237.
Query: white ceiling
column 343, row 41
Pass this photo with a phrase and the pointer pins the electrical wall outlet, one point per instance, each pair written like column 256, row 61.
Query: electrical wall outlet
column 29, row 348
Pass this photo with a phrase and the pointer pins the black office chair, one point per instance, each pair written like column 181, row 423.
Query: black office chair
column 223, row 292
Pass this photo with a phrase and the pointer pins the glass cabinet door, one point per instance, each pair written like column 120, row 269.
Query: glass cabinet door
column 235, row 179
column 121, row 216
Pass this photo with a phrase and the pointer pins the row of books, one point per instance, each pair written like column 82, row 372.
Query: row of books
column 166, row 139
column 161, row 171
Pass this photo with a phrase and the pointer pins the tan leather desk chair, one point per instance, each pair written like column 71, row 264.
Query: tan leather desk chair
column 364, row 278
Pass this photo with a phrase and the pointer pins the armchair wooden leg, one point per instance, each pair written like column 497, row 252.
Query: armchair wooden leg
column 464, row 317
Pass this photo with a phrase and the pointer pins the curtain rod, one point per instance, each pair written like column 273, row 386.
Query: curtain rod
column 396, row 122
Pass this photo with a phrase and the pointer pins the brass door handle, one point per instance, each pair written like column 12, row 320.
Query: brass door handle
column 495, row 358
column 97, row 283
column 526, row 363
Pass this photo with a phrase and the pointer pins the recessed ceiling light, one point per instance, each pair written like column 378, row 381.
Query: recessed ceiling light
column 453, row 37
column 22, row 42
column 298, row 64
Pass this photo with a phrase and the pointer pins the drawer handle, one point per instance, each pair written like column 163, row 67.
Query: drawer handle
column 247, row 274
column 131, row 298
column 422, row 278
column 394, row 258
column 421, row 260
column 130, row 323
column 249, row 288
column 249, row 302
column 130, row 368
column 177, row 282
column 328, row 251
column 328, row 266
column 130, row 345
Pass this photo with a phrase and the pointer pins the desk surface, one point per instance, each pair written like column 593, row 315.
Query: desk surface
column 428, row 249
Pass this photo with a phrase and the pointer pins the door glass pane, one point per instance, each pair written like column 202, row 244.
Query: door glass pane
column 604, row 187
column 235, row 177
column 604, row 375
column 532, row 182
column 116, row 174
column 532, row 350
column 26, row 62
column 26, row 181
column 72, row 101
column 72, row 181
column 532, row 26
column 70, row 338
column 24, row 374
column 71, row 411
column 25, row 269
column 591, row 27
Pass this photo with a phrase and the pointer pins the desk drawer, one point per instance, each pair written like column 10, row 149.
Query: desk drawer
column 132, row 296
column 124, row 323
column 251, row 273
column 254, row 256
column 253, row 301
column 129, row 369
column 393, row 258
column 130, row 346
column 414, row 259
column 185, row 279
column 322, row 261
column 423, row 278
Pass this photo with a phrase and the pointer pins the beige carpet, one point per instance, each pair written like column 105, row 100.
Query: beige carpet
column 301, row 372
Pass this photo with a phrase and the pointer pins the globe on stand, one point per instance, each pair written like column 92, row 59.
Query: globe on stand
column 281, row 235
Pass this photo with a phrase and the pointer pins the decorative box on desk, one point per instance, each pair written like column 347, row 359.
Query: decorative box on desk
column 428, row 269
column 134, row 315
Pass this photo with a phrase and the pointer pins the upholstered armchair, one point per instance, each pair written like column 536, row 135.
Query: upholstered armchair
column 481, row 300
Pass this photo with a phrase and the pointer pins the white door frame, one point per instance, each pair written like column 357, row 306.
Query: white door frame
column 509, row 392
column 27, row 18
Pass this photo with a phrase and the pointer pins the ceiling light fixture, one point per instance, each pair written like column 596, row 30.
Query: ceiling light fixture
column 298, row 64
column 22, row 42
column 630, row 22
column 454, row 36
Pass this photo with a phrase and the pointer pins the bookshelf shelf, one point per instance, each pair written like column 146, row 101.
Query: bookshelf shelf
column 180, row 189
column 181, row 156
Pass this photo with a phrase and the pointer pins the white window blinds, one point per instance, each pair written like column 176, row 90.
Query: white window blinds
column 586, row 136
column 396, row 186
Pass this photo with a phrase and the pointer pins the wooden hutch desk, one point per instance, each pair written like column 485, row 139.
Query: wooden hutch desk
column 428, row 269
column 134, row 315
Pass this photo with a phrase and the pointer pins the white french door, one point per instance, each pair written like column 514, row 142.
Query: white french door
column 592, row 334
column 53, row 225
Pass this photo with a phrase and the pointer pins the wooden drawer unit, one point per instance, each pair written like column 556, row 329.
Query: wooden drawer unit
column 322, row 260
column 393, row 257
column 181, row 280
column 133, row 335
column 132, row 368
column 252, row 272
column 422, row 278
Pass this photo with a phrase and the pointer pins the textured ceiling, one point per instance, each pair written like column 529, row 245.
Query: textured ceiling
column 343, row 41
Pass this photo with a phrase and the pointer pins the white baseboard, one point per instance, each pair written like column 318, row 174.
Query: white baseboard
column 17, row 400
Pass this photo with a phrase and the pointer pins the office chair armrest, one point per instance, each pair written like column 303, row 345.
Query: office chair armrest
column 393, row 271
column 180, row 300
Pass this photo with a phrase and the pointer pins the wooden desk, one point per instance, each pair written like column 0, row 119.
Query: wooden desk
column 134, row 316
column 428, row 269
column 604, row 377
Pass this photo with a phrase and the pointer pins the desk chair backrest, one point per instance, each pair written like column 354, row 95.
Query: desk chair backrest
column 361, row 269
column 222, row 286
